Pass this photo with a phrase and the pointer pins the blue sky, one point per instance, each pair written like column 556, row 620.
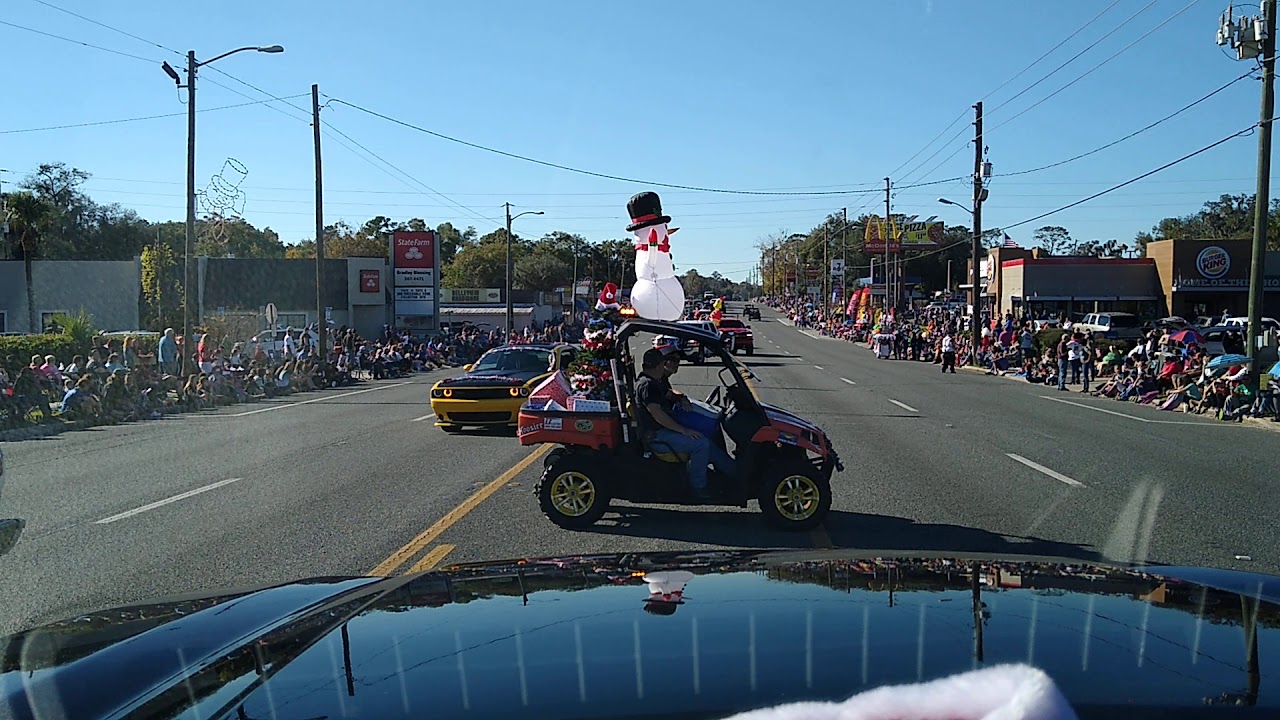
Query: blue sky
column 738, row 95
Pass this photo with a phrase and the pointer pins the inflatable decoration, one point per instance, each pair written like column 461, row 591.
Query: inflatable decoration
column 657, row 293
column 608, row 298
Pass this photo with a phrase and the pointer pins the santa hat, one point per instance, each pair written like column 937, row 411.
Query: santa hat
column 645, row 210
column 608, row 298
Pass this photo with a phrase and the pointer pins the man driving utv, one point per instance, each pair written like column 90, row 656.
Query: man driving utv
column 656, row 401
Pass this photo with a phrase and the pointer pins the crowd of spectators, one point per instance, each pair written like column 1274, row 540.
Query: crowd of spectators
column 121, row 380
column 1157, row 369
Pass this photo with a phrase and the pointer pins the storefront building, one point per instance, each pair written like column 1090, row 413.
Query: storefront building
column 1073, row 286
column 1208, row 277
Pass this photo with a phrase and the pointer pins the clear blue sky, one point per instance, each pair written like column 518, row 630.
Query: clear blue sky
column 740, row 95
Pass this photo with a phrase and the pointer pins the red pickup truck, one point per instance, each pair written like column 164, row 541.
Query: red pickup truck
column 741, row 332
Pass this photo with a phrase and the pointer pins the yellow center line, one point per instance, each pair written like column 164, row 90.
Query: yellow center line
column 432, row 558
column 415, row 546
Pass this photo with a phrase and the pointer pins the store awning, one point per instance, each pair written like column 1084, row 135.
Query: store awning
column 473, row 310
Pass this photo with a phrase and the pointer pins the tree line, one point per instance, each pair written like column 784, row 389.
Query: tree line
column 1225, row 218
column 51, row 217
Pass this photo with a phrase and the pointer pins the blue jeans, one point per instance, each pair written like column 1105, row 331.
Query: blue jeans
column 1062, row 373
column 701, row 452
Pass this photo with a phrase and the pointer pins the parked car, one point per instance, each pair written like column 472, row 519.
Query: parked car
column 1111, row 325
column 1223, row 339
column 1243, row 322
column 272, row 341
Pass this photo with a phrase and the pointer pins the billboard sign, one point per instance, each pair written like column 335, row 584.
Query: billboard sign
column 920, row 235
column 413, row 262
column 370, row 281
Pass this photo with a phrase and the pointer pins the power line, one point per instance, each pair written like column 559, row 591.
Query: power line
column 1130, row 181
column 1086, row 73
column 581, row 171
column 951, row 124
column 1051, row 50
column 1087, row 48
column 78, row 42
column 1135, row 133
column 102, row 24
column 132, row 119
column 435, row 192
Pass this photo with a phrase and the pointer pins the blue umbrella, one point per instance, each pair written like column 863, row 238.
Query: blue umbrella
column 1275, row 370
column 1226, row 360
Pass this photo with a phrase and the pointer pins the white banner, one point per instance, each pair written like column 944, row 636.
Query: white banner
column 415, row 307
column 415, row 277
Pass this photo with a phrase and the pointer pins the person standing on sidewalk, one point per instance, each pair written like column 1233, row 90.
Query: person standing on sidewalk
column 1086, row 361
column 948, row 354
column 1062, row 361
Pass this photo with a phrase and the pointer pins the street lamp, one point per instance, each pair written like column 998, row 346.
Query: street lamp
column 192, row 66
column 511, row 313
column 945, row 201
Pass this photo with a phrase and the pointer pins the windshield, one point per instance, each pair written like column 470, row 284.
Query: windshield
column 335, row 290
column 513, row 360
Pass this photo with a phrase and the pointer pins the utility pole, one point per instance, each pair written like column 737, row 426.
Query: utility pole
column 511, row 313
column 826, row 271
column 978, row 196
column 844, row 255
column 322, row 323
column 884, row 234
column 189, row 252
column 1262, row 200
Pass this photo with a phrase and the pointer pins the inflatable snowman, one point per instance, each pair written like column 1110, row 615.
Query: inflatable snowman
column 657, row 294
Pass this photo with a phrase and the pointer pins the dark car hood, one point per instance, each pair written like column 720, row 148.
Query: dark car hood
column 582, row 637
column 492, row 378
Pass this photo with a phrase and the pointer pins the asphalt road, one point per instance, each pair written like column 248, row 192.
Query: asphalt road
column 356, row 481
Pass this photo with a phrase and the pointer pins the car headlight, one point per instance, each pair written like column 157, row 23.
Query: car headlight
column 437, row 393
column 524, row 392
column 515, row 392
column 448, row 392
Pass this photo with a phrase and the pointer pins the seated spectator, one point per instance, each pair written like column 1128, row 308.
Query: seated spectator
column 114, row 363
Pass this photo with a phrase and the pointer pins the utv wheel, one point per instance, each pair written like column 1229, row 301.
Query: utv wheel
column 794, row 496
column 571, row 493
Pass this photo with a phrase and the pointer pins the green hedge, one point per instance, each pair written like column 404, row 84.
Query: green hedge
column 16, row 350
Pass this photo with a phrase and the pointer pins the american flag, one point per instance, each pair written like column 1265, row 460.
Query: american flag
column 1009, row 242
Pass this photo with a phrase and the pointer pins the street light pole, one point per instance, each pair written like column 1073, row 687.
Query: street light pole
column 511, row 313
column 189, row 252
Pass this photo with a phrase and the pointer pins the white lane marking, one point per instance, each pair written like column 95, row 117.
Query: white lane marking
column 1040, row 468
column 786, row 352
column 424, row 417
column 818, row 367
column 319, row 399
column 166, row 501
column 904, row 406
column 1134, row 417
column 847, row 380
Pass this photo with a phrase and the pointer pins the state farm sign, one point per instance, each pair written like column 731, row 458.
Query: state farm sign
column 415, row 249
column 413, row 266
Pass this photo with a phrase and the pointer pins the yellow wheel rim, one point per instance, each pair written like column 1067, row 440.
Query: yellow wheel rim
column 796, row 497
column 573, row 494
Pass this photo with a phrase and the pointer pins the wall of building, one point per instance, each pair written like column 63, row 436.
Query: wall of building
column 109, row 290
column 367, row 305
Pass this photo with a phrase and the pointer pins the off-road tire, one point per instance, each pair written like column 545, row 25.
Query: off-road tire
column 566, row 475
column 782, row 481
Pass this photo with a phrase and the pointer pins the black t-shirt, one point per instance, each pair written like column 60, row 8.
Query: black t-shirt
column 651, row 390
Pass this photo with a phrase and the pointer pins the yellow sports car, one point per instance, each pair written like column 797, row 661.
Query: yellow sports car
column 493, row 388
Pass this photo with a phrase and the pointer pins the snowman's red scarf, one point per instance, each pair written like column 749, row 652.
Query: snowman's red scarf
column 664, row 246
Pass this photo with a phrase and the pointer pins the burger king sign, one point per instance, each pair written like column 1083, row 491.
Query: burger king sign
column 1213, row 262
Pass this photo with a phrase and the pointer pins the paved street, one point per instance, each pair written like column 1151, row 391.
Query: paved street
column 355, row 480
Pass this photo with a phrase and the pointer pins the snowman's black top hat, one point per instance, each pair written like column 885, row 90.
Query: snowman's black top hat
column 645, row 209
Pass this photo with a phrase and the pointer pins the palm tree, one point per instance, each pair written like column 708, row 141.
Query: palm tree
column 27, row 214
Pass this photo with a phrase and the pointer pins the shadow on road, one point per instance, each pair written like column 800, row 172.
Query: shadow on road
column 757, row 363
column 846, row 530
